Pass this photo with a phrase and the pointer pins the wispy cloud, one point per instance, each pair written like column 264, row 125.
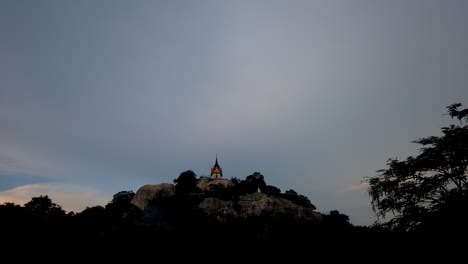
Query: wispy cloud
column 16, row 159
column 71, row 197
column 358, row 187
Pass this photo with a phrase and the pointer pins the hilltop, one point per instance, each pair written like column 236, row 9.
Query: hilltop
column 223, row 199
column 193, row 214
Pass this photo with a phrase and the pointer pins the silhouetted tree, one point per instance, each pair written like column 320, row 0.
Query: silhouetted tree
column 420, row 191
column 186, row 183
column 11, row 214
column 120, row 208
column 252, row 183
column 92, row 212
column 272, row 190
column 10, row 208
column 298, row 199
column 459, row 114
column 92, row 220
column 235, row 180
column 44, row 207
column 123, row 196
column 336, row 221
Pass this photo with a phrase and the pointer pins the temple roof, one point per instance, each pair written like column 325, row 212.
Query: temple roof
column 216, row 163
column 216, row 171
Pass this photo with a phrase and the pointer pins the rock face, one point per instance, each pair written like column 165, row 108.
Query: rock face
column 207, row 184
column 255, row 204
column 244, row 206
column 150, row 191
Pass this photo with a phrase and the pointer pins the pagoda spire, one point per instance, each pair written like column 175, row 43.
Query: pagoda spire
column 216, row 171
column 216, row 163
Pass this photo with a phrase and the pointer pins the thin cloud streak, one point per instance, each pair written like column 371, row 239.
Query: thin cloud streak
column 358, row 187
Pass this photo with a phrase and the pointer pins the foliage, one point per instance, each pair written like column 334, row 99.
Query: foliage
column 421, row 189
column 337, row 220
column 123, row 197
column 44, row 207
column 235, row 180
column 272, row 190
column 298, row 199
column 11, row 214
column 257, row 180
column 92, row 220
column 93, row 212
column 186, row 183
column 120, row 209
column 252, row 183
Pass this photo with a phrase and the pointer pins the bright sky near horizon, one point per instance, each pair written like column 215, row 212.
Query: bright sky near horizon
column 97, row 97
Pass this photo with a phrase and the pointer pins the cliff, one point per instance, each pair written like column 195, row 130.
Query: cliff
column 242, row 206
column 149, row 192
column 255, row 204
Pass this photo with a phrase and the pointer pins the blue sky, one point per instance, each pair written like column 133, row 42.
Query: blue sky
column 97, row 97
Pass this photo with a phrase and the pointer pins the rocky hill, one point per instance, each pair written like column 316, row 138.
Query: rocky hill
column 242, row 206
column 149, row 192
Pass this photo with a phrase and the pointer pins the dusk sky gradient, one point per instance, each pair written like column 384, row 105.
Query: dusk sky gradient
column 98, row 97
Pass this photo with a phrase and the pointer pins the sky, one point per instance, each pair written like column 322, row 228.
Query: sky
column 98, row 97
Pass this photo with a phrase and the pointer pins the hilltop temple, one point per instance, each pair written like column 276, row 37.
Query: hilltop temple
column 216, row 170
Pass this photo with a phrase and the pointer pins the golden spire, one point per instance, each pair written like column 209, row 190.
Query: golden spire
column 216, row 171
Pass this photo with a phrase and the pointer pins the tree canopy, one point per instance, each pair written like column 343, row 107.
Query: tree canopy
column 430, row 190
column 186, row 182
column 43, row 206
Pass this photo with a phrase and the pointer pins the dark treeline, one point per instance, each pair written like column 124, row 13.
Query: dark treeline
column 175, row 222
